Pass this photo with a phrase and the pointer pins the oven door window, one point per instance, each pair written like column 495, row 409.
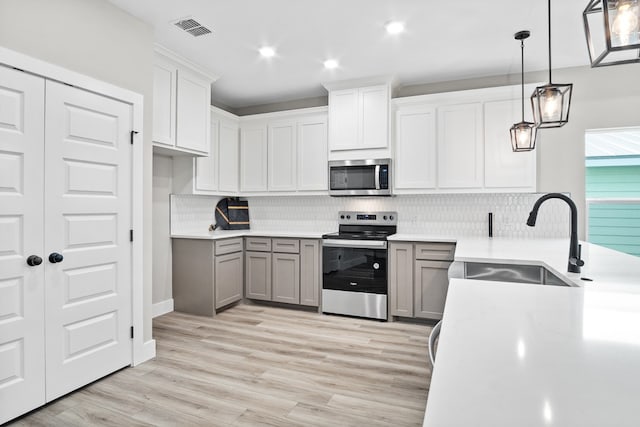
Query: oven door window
column 353, row 177
column 355, row 269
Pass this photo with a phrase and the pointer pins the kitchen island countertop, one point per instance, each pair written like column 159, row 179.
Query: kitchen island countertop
column 531, row 355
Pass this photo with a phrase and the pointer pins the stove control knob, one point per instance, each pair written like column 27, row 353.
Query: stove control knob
column 384, row 217
column 391, row 217
column 341, row 216
column 348, row 216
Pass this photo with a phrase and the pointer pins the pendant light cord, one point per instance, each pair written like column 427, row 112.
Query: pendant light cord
column 522, row 75
column 549, row 25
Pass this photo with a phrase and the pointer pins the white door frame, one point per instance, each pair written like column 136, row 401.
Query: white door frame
column 142, row 350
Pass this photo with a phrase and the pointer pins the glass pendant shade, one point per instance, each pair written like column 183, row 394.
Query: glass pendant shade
column 523, row 136
column 612, row 28
column 551, row 102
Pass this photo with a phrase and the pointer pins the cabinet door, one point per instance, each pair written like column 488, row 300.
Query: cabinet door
column 286, row 278
column 312, row 154
column 343, row 119
column 401, row 279
column 228, row 157
column 460, row 146
column 193, row 109
column 253, row 158
column 373, row 117
column 282, row 156
column 207, row 167
column 415, row 165
column 310, row 273
column 504, row 168
column 228, row 278
column 431, row 287
column 164, row 103
column 22, row 290
column 88, row 211
column 258, row 275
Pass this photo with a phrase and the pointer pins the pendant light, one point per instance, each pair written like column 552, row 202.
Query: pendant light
column 523, row 134
column 551, row 102
column 617, row 34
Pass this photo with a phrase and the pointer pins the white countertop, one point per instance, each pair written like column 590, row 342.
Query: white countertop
column 225, row 234
column 605, row 267
column 530, row 355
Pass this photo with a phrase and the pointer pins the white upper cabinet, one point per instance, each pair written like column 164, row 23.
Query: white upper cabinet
column 207, row 167
column 459, row 142
column 373, row 117
column 359, row 121
column 343, row 119
column 253, row 157
column 282, row 149
column 193, row 102
column 181, row 100
column 504, row 168
column 283, row 152
column 164, row 102
column 218, row 173
column 312, row 153
column 460, row 146
column 415, row 159
column 229, row 157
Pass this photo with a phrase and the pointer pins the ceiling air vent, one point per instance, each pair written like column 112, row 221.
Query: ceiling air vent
column 192, row 27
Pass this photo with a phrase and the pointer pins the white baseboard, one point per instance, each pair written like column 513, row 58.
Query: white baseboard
column 162, row 307
column 148, row 352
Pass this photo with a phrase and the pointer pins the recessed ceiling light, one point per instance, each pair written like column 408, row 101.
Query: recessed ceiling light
column 394, row 27
column 267, row 51
column 330, row 64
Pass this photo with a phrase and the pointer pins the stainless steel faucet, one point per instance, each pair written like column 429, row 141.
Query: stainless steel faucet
column 575, row 249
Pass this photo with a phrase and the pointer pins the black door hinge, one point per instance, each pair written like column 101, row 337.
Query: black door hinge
column 132, row 332
column 133, row 133
column 131, row 235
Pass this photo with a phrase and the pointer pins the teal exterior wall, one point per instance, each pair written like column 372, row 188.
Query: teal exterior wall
column 613, row 224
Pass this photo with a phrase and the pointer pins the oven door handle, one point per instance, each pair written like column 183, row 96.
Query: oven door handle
column 365, row 244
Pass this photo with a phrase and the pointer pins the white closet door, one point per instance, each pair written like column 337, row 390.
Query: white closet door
column 88, row 217
column 21, row 229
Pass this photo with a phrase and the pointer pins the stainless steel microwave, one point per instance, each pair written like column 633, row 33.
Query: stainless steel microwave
column 360, row 177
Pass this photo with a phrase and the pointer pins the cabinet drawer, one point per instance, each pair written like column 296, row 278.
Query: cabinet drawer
column 289, row 246
column 435, row 251
column 260, row 244
column 228, row 246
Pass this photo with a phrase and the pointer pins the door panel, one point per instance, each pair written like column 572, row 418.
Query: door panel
column 88, row 208
column 21, row 230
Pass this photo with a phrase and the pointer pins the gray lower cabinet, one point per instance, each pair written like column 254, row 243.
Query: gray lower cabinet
column 258, row 275
column 207, row 274
column 401, row 279
column 283, row 270
column 431, row 286
column 310, row 273
column 228, row 278
column 286, row 278
column 418, row 279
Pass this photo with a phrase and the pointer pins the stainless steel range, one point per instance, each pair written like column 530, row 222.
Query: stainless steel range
column 354, row 264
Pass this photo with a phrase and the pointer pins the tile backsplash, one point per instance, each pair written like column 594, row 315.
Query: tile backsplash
column 454, row 215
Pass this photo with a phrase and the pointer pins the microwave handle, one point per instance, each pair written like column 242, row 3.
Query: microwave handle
column 377, row 178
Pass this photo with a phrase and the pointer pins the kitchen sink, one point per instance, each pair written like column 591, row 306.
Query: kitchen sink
column 516, row 273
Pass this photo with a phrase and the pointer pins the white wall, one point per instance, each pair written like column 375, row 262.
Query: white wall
column 94, row 38
column 162, row 269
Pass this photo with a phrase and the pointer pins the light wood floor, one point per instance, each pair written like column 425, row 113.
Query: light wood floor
column 256, row 365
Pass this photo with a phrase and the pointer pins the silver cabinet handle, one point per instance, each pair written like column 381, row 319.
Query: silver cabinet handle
column 435, row 333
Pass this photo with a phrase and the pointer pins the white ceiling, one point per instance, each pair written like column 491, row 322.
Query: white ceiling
column 444, row 40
